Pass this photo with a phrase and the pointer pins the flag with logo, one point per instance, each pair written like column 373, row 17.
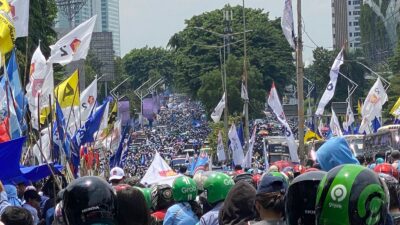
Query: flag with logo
column 249, row 154
column 349, row 118
column 39, row 88
column 236, row 146
column 198, row 165
column 115, row 159
column 311, row 135
column 19, row 11
column 275, row 104
column 220, row 148
column 372, row 107
column 67, row 92
column 159, row 172
column 330, row 89
column 7, row 29
column 287, row 24
column 74, row 45
column 88, row 99
column 216, row 114
column 335, row 126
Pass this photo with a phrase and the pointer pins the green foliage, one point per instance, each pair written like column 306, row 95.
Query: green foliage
column 394, row 90
column 268, row 50
column 145, row 63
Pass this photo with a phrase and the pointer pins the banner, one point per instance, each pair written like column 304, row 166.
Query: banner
column 334, row 125
column 159, row 172
column 330, row 89
column 124, row 112
column 236, row 146
column 74, row 45
column 88, row 100
column 220, row 148
column 275, row 104
column 148, row 106
column 373, row 105
column 20, row 14
column 216, row 114
column 287, row 24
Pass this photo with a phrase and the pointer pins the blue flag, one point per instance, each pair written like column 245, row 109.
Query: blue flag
column 85, row 134
column 125, row 149
column 10, row 154
column 115, row 159
column 199, row 163
column 17, row 90
column 376, row 124
column 59, row 132
column 240, row 133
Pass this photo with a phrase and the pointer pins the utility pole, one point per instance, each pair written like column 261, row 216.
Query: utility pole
column 300, row 74
column 226, row 52
column 245, row 77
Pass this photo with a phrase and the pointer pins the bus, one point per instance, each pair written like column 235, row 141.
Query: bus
column 277, row 148
column 381, row 142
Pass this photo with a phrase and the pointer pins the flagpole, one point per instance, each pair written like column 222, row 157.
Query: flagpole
column 246, row 101
column 300, row 74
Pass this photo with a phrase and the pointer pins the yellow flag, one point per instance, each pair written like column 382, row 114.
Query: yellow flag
column 359, row 107
column 7, row 32
column 4, row 6
column 309, row 135
column 67, row 92
column 395, row 107
column 113, row 114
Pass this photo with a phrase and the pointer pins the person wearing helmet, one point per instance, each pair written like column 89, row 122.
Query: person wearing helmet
column 386, row 168
column 279, row 174
column 186, row 211
column 270, row 200
column 147, row 195
column 392, row 185
column 216, row 187
column 89, row 200
column 161, row 200
column 300, row 198
column 349, row 195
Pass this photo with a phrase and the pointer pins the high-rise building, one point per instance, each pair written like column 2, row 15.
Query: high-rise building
column 107, row 12
column 345, row 23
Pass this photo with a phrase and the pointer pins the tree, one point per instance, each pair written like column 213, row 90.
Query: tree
column 268, row 50
column 145, row 63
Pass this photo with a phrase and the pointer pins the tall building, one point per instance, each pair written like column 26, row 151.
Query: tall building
column 345, row 23
column 107, row 12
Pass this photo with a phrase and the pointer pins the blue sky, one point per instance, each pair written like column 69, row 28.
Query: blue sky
column 153, row 22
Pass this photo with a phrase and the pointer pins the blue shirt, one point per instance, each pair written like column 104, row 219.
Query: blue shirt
column 180, row 214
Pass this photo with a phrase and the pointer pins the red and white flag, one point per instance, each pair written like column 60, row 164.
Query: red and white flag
column 159, row 172
column 275, row 104
column 20, row 14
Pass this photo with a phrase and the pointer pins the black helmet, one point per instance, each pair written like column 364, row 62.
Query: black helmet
column 161, row 197
column 300, row 198
column 89, row 200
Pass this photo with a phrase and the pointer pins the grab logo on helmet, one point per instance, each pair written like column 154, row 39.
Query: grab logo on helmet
column 229, row 182
column 185, row 190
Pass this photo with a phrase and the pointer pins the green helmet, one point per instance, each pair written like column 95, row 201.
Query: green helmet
column 147, row 195
column 217, row 186
column 351, row 194
column 184, row 189
column 280, row 174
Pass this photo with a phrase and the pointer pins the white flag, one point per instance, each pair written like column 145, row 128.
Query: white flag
column 275, row 104
column 236, row 146
column 249, row 154
column 159, row 172
column 88, row 100
column 44, row 145
column 243, row 93
column 41, row 82
column 216, row 114
column 20, row 14
column 104, row 120
column 335, row 126
column 220, row 148
column 287, row 23
column 330, row 89
column 373, row 105
column 74, row 45
column 349, row 117
column 265, row 157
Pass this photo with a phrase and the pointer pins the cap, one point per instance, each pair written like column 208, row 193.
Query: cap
column 116, row 173
column 270, row 184
column 32, row 194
